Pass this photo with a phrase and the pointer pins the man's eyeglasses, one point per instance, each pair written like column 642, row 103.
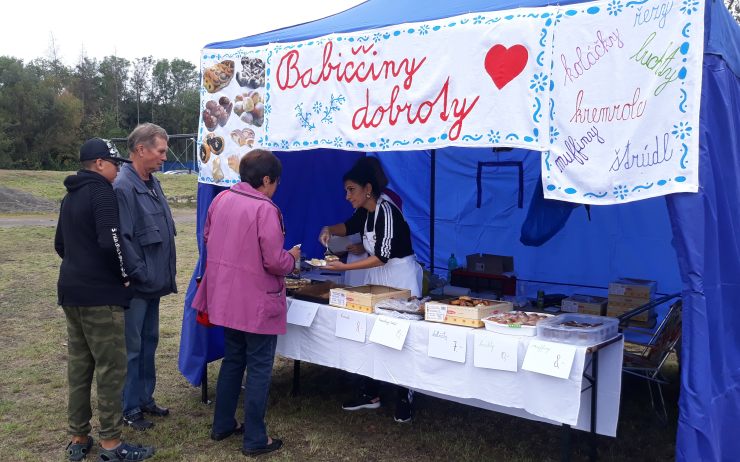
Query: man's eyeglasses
column 114, row 162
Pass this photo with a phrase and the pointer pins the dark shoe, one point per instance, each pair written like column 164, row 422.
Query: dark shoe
column 125, row 452
column 404, row 411
column 238, row 430
column 363, row 401
column 274, row 446
column 138, row 422
column 158, row 411
column 78, row 451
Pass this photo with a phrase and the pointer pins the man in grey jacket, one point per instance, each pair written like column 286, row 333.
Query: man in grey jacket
column 148, row 239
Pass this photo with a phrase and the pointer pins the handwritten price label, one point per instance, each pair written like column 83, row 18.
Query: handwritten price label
column 302, row 313
column 351, row 325
column 496, row 351
column 548, row 358
column 390, row 332
column 448, row 343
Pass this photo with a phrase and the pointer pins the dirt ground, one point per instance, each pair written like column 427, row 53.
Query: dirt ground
column 15, row 201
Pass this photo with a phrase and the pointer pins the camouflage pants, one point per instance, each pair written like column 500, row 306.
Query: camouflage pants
column 96, row 344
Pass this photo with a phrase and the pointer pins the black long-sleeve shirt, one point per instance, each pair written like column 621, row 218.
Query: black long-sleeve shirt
column 392, row 233
column 87, row 238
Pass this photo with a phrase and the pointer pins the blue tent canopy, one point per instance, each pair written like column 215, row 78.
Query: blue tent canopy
column 477, row 200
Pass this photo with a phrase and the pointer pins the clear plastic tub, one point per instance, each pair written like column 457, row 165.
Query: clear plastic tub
column 578, row 329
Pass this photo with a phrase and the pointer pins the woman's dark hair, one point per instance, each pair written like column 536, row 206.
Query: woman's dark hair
column 363, row 173
column 377, row 167
column 258, row 163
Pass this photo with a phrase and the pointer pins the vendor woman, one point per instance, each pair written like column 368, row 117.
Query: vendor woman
column 391, row 262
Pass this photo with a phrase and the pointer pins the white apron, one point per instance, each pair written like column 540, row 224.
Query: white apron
column 354, row 278
column 401, row 273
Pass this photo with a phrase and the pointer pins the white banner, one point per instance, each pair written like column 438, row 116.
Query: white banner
column 472, row 80
column 627, row 88
column 608, row 90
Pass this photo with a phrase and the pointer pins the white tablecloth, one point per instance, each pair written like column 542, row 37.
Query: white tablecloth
column 523, row 393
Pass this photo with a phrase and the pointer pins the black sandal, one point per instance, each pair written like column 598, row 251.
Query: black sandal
column 238, row 430
column 78, row 451
column 125, row 452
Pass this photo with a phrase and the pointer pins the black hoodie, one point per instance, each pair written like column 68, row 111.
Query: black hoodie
column 87, row 239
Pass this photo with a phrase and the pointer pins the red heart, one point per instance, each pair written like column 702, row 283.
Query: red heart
column 504, row 64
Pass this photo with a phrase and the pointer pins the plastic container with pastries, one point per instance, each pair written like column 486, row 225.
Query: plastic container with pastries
column 578, row 329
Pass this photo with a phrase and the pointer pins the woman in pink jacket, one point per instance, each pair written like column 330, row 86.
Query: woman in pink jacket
column 243, row 290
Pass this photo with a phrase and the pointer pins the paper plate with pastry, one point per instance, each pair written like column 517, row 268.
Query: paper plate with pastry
column 318, row 262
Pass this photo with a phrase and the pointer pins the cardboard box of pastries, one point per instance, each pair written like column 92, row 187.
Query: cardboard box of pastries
column 363, row 298
column 464, row 311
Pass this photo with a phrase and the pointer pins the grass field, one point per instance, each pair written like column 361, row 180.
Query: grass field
column 180, row 189
column 33, row 392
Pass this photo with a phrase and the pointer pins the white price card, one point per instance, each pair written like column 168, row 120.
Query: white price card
column 496, row 351
column 301, row 313
column 337, row 299
column 447, row 342
column 351, row 325
column 549, row 358
column 390, row 332
column 435, row 312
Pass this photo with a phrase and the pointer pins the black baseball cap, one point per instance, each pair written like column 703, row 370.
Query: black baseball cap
column 98, row 148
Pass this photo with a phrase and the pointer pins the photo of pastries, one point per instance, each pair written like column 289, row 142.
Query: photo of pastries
column 250, row 107
column 217, row 113
column 205, row 153
column 252, row 74
column 233, row 162
column 243, row 137
column 216, row 171
column 218, row 76
column 216, row 143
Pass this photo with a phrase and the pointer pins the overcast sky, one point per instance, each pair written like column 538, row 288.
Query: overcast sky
column 135, row 28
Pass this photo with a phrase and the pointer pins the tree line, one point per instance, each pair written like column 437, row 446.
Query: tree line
column 48, row 109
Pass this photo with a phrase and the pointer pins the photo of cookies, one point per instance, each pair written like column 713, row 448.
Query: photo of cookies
column 252, row 74
column 218, row 76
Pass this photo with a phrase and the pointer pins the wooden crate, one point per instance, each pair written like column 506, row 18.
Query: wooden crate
column 469, row 316
column 363, row 298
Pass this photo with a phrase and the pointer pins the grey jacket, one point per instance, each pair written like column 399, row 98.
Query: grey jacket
column 147, row 235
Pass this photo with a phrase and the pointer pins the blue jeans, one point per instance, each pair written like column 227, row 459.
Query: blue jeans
column 142, row 337
column 256, row 352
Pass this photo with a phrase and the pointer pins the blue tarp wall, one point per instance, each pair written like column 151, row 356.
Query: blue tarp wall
column 687, row 242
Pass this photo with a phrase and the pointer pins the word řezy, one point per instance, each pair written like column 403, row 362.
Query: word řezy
column 646, row 158
column 575, row 148
column 585, row 60
column 654, row 13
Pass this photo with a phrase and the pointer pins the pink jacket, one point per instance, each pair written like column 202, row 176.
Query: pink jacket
column 243, row 286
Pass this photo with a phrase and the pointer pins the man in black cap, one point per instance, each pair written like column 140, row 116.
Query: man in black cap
column 93, row 291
